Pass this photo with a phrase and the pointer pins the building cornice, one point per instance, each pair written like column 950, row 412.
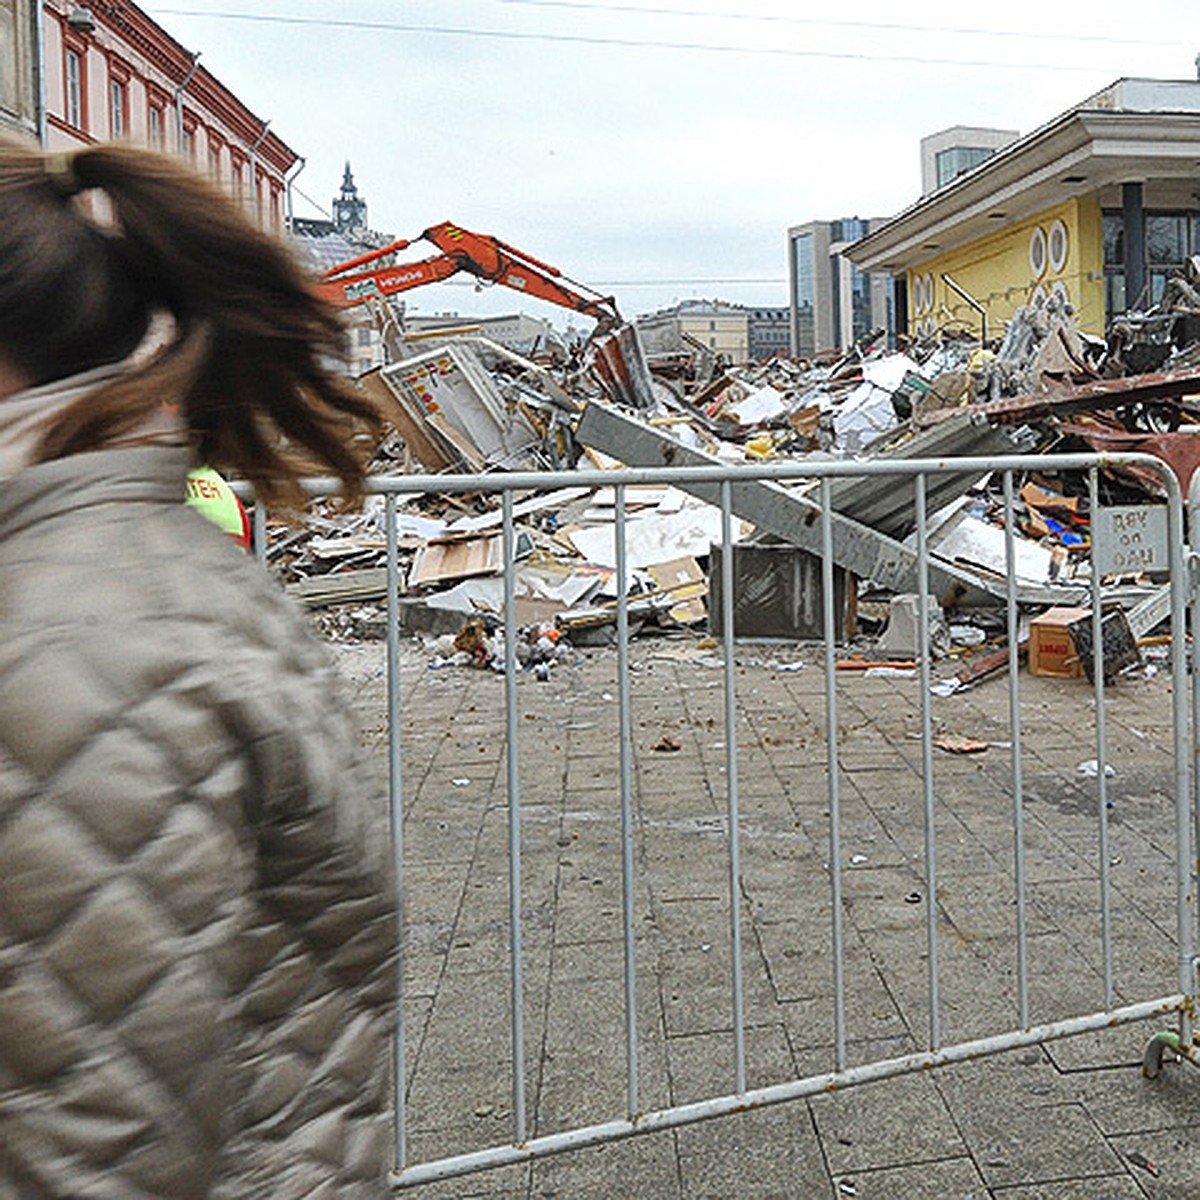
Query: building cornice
column 126, row 21
column 1079, row 153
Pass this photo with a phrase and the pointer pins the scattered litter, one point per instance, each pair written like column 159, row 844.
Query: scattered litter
column 947, row 687
column 890, row 672
column 956, row 744
column 460, row 783
column 967, row 635
column 1090, row 769
column 667, row 744
column 862, row 664
column 913, row 898
column 1140, row 1160
column 857, row 860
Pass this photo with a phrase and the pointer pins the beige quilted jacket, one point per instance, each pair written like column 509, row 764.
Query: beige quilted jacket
column 196, row 914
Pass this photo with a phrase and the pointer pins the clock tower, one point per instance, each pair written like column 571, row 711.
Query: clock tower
column 349, row 210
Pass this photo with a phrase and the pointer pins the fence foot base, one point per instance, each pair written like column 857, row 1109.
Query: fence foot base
column 1160, row 1044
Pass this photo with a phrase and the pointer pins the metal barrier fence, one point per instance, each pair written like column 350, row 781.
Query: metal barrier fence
column 1111, row 1005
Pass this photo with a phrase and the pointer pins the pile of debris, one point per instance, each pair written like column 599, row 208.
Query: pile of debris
column 468, row 405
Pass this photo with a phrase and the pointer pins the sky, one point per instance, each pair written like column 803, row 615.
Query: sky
column 654, row 150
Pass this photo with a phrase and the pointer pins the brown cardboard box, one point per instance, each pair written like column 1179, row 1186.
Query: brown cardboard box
column 1051, row 646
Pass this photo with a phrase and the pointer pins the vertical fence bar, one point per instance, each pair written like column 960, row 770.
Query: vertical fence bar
column 396, row 811
column 924, row 655
column 1014, row 719
column 1187, row 807
column 1188, row 569
column 1101, row 751
column 260, row 531
column 834, row 770
column 625, row 716
column 514, row 817
column 731, row 787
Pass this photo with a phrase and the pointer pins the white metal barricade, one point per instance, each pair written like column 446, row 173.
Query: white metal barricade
column 1113, row 1000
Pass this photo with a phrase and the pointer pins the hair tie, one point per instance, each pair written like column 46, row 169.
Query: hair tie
column 60, row 170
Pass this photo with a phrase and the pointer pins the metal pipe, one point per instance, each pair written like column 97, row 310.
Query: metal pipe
column 299, row 165
column 396, row 811
column 834, row 772
column 517, row 481
column 979, row 308
column 260, row 532
column 625, row 715
column 41, row 116
column 179, row 131
column 512, row 756
column 732, row 817
column 258, row 141
column 1014, row 721
column 1187, row 813
column 924, row 656
column 1101, row 756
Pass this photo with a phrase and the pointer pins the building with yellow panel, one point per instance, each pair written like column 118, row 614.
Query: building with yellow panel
column 1099, row 206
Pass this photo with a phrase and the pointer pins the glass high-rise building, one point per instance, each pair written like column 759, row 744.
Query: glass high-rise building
column 833, row 304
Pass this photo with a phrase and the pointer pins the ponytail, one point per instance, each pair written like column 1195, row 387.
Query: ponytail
column 248, row 362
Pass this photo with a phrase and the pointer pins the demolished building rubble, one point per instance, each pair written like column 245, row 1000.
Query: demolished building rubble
column 466, row 405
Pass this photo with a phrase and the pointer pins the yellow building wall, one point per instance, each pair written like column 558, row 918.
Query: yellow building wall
column 997, row 271
column 727, row 334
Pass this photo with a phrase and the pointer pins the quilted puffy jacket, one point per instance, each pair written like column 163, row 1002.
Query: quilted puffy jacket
column 196, row 910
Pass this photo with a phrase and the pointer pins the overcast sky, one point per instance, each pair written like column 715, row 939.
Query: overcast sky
column 656, row 150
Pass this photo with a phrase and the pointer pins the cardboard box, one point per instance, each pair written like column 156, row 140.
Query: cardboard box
column 1051, row 647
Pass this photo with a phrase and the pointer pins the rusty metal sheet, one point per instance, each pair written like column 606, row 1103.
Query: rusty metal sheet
column 1180, row 451
column 1100, row 393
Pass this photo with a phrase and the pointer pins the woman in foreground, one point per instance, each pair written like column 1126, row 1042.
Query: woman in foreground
column 196, row 910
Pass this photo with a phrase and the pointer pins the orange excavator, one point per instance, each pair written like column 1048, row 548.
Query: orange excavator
column 479, row 254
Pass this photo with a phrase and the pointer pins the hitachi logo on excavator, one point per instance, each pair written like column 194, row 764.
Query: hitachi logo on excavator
column 401, row 277
column 371, row 287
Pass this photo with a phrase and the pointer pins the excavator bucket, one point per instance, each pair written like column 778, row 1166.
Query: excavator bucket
column 619, row 362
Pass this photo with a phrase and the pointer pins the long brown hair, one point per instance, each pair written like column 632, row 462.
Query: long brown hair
column 250, row 364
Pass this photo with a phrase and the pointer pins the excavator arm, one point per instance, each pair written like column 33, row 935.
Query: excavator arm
column 478, row 254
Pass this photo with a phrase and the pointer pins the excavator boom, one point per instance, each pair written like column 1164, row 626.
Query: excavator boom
column 478, row 254
column 616, row 353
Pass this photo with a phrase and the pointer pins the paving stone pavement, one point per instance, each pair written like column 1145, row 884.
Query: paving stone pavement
column 1060, row 1120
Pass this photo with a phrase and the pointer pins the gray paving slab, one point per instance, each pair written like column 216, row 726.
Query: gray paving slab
column 726, row 1158
column 903, row 1121
column 1110, row 1187
column 953, row 1178
column 641, row 1166
column 704, row 1064
column 1072, row 1119
column 1037, row 1143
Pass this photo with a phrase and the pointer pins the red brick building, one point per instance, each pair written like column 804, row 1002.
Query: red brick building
column 111, row 72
